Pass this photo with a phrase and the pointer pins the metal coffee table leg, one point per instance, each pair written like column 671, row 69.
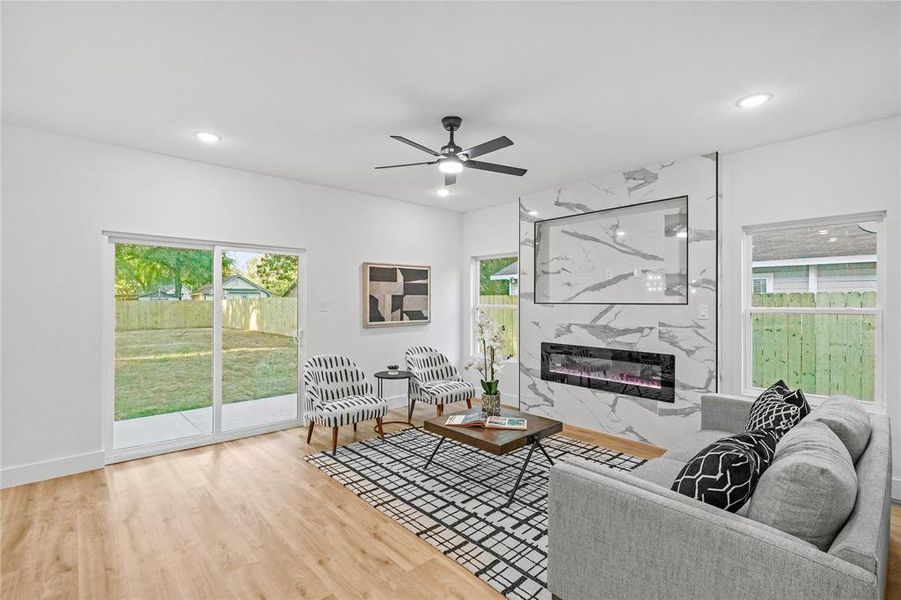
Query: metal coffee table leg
column 523, row 471
column 546, row 455
column 441, row 441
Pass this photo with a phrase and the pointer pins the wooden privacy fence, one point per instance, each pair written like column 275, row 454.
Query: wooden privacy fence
column 266, row 315
column 505, row 317
column 820, row 353
column 269, row 315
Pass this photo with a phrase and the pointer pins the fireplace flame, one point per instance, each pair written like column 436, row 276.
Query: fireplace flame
column 611, row 377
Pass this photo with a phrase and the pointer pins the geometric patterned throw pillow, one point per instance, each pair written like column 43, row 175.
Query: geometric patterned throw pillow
column 775, row 415
column 798, row 399
column 777, row 408
column 725, row 473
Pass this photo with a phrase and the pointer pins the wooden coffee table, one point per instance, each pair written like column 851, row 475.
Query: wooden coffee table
column 497, row 441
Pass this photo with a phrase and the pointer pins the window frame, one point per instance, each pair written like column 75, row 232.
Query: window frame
column 747, row 310
column 475, row 305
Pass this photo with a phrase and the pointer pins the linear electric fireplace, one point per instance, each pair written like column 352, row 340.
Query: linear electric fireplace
column 640, row 374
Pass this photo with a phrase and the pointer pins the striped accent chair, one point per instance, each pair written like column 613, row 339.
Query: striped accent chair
column 337, row 393
column 435, row 380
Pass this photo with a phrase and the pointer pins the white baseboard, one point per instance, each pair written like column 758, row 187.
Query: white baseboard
column 50, row 469
column 896, row 489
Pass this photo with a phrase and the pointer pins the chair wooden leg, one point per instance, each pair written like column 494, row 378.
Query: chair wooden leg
column 410, row 412
column 355, row 427
column 310, row 432
column 468, row 403
column 439, row 409
column 378, row 426
column 334, row 440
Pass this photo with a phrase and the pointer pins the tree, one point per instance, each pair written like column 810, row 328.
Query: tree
column 143, row 269
column 487, row 268
column 275, row 272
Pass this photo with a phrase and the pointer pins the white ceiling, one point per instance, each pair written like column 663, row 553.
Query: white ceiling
column 312, row 90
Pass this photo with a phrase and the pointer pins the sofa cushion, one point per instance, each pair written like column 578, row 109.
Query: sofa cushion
column 686, row 449
column 847, row 420
column 725, row 473
column 810, row 488
column 661, row 471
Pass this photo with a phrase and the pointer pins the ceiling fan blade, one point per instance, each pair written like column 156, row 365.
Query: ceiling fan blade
column 408, row 165
column 483, row 166
column 485, row 148
column 450, row 179
column 414, row 144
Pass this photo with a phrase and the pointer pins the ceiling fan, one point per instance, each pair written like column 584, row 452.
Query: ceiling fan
column 452, row 158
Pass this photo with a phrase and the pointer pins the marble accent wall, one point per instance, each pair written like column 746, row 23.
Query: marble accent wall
column 669, row 329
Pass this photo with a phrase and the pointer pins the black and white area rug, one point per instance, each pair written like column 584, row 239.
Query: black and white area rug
column 458, row 504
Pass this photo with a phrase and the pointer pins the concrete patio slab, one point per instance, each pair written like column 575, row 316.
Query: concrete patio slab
column 237, row 415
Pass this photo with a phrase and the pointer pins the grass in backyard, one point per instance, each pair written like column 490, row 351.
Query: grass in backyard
column 167, row 370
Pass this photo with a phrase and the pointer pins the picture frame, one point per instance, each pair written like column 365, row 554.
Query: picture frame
column 396, row 294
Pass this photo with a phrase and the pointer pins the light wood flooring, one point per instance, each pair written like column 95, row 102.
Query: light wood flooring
column 242, row 519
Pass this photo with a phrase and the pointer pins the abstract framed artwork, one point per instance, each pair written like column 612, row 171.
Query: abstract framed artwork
column 396, row 294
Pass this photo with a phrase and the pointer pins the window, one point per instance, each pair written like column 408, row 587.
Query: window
column 495, row 292
column 762, row 283
column 812, row 306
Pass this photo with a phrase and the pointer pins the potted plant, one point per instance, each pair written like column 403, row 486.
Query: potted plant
column 490, row 337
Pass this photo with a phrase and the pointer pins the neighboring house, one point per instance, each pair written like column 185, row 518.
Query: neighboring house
column 164, row 293
column 291, row 292
column 236, row 286
column 510, row 273
column 822, row 275
column 837, row 259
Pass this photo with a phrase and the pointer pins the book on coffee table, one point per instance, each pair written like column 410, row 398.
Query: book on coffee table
column 478, row 419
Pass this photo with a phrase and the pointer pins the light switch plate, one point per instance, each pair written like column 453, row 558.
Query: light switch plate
column 609, row 273
column 703, row 311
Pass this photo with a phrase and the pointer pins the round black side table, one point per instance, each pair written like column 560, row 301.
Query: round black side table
column 394, row 375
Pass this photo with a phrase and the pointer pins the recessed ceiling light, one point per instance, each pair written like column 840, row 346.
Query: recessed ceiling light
column 443, row 192
column 620, row 233
column 823, row 231
column 533, row 213
column 754, row 100
column 833, row 239
column 207, row 137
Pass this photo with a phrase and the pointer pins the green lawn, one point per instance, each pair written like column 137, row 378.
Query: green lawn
column 166, row 370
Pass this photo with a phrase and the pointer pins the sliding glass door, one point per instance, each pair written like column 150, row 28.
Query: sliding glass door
column 206, row 343
column 163, row 344
column 259, row 338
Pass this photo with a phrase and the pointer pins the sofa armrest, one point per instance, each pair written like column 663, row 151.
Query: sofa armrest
column 725, row 412
column 612, row 535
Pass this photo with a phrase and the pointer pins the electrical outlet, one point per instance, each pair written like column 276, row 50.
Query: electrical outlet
column 609, row 273
column 703, row 311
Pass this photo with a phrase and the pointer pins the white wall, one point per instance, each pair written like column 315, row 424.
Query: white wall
column 839, row 172
column 488, row 232
column 60, row 193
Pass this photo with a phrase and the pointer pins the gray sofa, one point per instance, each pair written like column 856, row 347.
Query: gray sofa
column 626, row 535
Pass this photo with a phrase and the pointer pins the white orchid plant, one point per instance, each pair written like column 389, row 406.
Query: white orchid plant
column 490, row 337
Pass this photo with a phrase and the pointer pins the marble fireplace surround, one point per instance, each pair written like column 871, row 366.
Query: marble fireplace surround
column 666, row 329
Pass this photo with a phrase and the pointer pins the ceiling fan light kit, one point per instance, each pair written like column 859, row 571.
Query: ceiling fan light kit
column 452, row 159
